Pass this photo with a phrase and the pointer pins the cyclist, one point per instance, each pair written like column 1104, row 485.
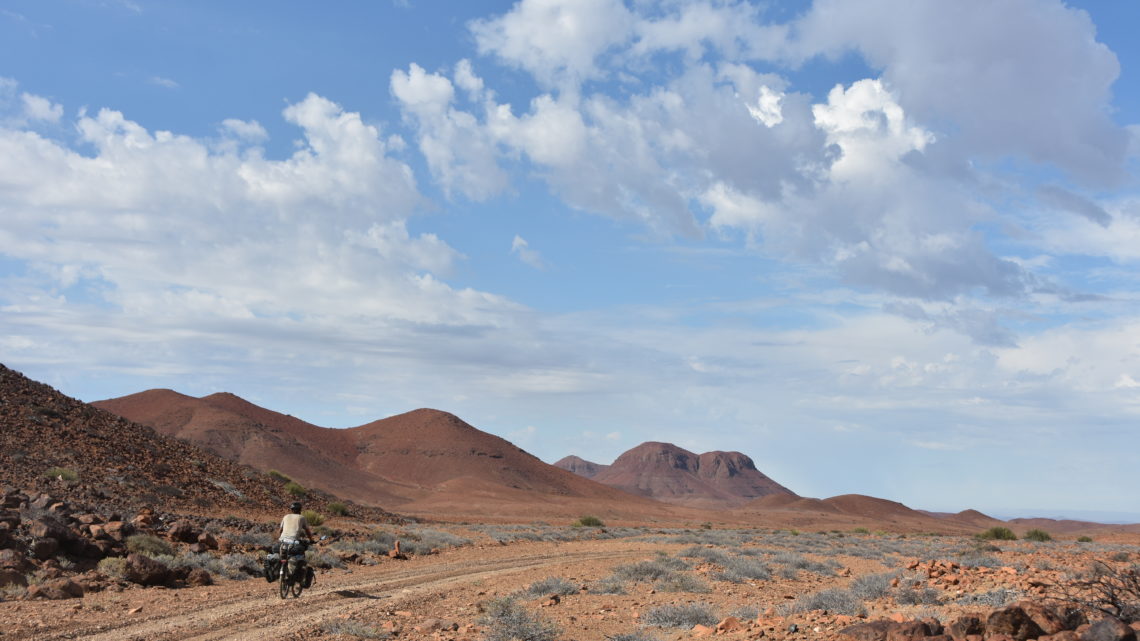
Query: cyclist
column 293, row 525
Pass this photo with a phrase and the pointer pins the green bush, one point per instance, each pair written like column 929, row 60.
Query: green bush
column 149, row 545
column 1084, row 539
column 114, row 567
column 274, row 474
column 336, row 508
column 1037, row 535
column 589, row 521
column 62, row 473
column 296, row 489
column 312, row 517
column 860, row 530
column 997, row 533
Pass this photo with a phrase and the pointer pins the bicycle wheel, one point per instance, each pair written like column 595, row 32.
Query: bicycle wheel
column 285, row 582
column 297, row 587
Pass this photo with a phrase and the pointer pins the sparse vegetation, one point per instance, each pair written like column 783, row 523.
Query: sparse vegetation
column 149, row 545
column 113, row 566
column 872, row 586
column 1037, row 535
column 681, row 616
column 997, row 533
column 589, row 521
column 1104, row 589
column 739, row 569
column 992, row 599
column 337, row 508
column 278, row 476
column 62, row 474
column 1084, row 539
column 681, row 582
column 296, row 489
column 312, row 517
column 506, row 620
column 550, row 585
column 835, row 601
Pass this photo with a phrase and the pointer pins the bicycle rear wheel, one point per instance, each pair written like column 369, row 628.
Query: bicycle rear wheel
column 284, row 581
column 297, row 587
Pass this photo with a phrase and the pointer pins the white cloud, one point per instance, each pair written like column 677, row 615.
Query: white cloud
column 250, row 130
column 1022, row 78
column 767, row 107
column 521, row 248
column 556, row 40
column 40, row 108
column 164, row 82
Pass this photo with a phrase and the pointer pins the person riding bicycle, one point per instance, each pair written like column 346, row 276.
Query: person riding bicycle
column 293, row 525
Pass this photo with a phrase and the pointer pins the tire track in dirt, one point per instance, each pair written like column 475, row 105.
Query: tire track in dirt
column 269, row 617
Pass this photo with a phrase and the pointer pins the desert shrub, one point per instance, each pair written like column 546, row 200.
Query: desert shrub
column 872, row 586
column 312, row 517
column 795, row 561
column 835, row 601
column 337, row 508
column 745, row 612
column 589, row 521
column 1105, row 590
column 993, row 599
column 713, row 555
column 860, row 530
column 278, row 476
column 911, row 596
column 738, row 569
column 506, row 620
column 609, row 585
column 61, row 473
column 997, row 533
column 149, row 545
column 976, row 559
column 114, row 567
column 550, row 585
column 678, row 582
column 643, row 571
column 681, row 616
column 1084, row 539
column 354, row 629
column 322, row 560
column 1037, row 535
column 296, row 489
column 1120, row 556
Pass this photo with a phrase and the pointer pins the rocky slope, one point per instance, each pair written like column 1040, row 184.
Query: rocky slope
column 580, row 466
column 665, row 472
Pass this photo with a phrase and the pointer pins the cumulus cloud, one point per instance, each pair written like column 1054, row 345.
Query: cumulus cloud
column 157, row 225
column 558, row 41
column 1021, row 78
column 166, row 83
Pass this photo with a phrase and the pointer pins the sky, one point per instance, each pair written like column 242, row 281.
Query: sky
column 885, row 247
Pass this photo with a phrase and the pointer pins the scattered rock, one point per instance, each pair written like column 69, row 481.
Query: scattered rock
column 1108, row 629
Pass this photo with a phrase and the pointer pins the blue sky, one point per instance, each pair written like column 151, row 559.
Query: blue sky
column 885, row 247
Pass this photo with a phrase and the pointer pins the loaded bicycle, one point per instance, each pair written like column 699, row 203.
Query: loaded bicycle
column 277, row 562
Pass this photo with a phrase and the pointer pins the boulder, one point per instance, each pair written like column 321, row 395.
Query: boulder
column 44, row 548
column 964, row 626
column 14, row 560
column 869, row 631
column 56, row 590
column 1014, row 622
column 12, row 577
column 207, row 541
column 1109, row 629
column 1045, row 617
column 909, row 631
column 199, row 577
column 144, row 570
column 183, row 532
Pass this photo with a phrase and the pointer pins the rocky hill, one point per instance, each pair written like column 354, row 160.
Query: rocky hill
column 580, row 466
column 52, row 443
column 665, row 472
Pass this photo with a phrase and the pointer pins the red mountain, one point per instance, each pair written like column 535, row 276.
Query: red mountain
column 424, row 461
column 665, row 472
column 580, row 466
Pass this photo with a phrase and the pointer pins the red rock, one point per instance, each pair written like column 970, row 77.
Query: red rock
column 1014, row 622
column 183, row 532
column 1108, row 629
column 910, row 631
column 12, row 577
column 208, row 541
column 144, row 570
column 870, row 631
column 965, row 626
column 898, row 617
column 199, row 577
column 56, row 590
column 1046, row 618
column 729, row 624
column 1063, row 635
column 701, row 630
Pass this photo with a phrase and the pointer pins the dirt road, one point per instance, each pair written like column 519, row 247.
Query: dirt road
column 251, row 610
